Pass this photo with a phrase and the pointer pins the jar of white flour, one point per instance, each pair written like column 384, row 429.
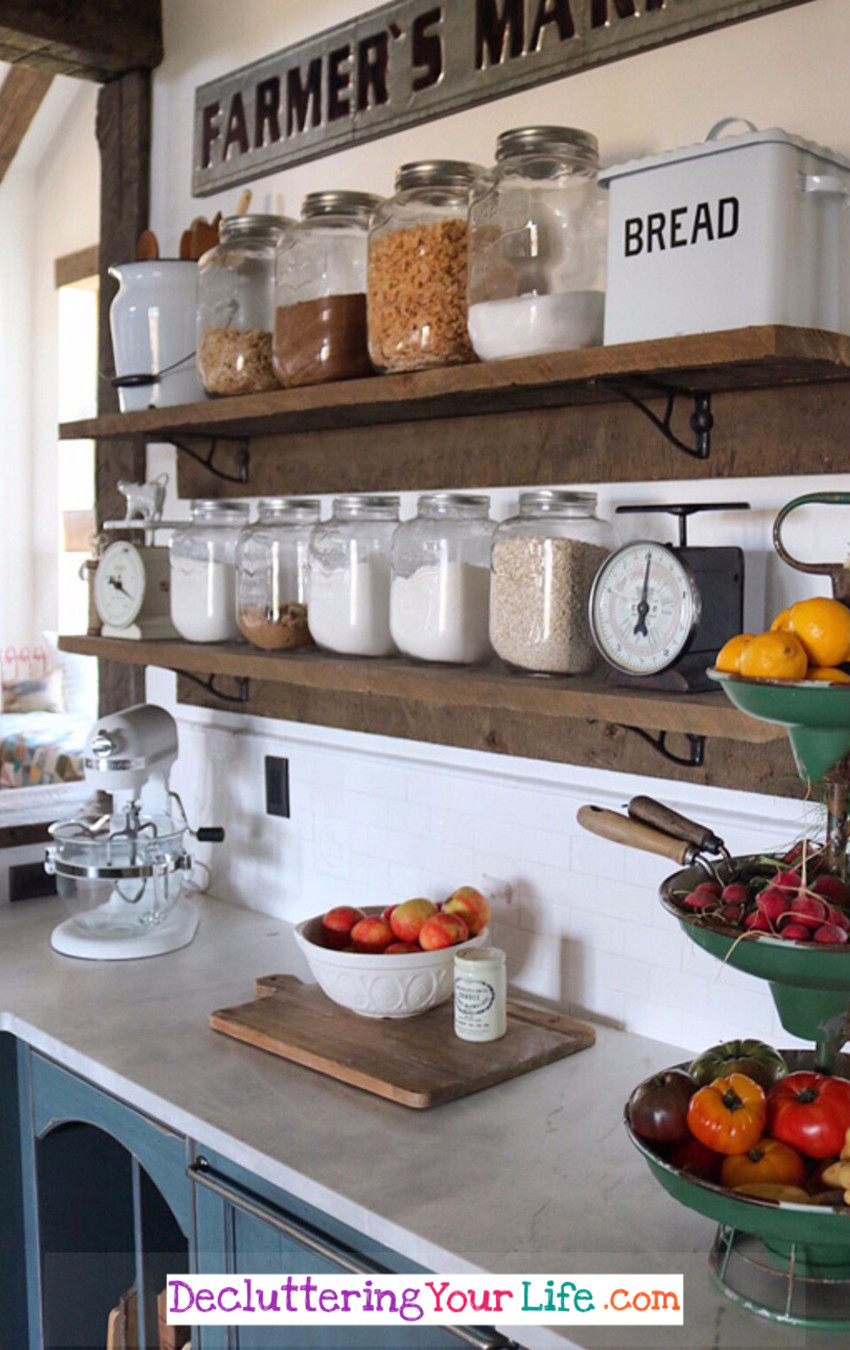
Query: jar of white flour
column 440, row 593
column 203, row 572
column 348, row 590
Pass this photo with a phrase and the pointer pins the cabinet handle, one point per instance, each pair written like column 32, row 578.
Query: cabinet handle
column 201, row 1174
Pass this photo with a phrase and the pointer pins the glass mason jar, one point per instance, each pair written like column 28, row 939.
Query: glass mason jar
column 543, row 564
column 271, row 573
column 348, row 592
column 440, row 589
column 320, row 291
column 203, row 572
column 537, row 246
column 236, row 306
column 417, row 268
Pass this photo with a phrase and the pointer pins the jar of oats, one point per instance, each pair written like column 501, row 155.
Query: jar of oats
column 416, row 285
column 271, row 573
column 542, row 565
column 236, row 306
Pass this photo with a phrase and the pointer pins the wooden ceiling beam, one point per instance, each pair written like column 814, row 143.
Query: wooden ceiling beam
column 21, row 94
column 90, row 39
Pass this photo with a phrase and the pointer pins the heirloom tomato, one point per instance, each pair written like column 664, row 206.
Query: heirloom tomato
column 729, row 1114
column 753, row 1058
column 811, row 1112
column 658, row 1108
column 770, row 1160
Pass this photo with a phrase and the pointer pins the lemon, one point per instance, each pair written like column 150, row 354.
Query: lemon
column 774, row 656
column 823, row 627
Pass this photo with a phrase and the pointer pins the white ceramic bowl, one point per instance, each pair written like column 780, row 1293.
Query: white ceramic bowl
column 401, row 985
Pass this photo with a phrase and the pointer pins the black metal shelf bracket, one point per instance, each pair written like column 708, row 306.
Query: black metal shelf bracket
column 243, row 455
column 693, row 760
column 701, row 420
column 208, row 685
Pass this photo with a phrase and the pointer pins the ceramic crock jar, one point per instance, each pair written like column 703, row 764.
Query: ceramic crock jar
column 236, row 306
column 271, row 573
column 418, row 266
column 537, row 243
column 203, row 571
column 543, row 564
column 152, row 321
column 320, row 291
column 348, row 592
column 440, row 591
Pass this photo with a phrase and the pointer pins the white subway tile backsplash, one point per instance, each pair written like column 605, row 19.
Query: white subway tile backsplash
column 375, row 821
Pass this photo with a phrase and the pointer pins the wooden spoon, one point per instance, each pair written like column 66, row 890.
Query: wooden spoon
column 147, row 249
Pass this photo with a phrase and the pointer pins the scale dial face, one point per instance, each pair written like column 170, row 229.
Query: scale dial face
column 119, row 584
column 644, row 608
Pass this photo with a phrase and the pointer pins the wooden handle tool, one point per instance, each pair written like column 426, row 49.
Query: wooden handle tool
column 147, row 249
column 650, row 812
column 621, row 830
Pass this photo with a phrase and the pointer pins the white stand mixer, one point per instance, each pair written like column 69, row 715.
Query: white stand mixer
column 120, row 867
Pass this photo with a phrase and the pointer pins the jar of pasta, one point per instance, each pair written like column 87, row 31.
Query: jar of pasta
column 417, row 277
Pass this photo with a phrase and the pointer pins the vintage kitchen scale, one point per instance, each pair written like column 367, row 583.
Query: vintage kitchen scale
column 659, row 613
column 121, row 865
column 132, row 584
column 788, row 1262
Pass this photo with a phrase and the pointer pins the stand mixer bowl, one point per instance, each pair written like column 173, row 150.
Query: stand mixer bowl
column 119, row 875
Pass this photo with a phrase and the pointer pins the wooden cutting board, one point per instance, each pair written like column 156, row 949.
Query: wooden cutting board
column 417, row 1061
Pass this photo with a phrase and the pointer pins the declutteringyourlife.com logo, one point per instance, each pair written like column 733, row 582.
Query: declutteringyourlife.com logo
column 439, row 1300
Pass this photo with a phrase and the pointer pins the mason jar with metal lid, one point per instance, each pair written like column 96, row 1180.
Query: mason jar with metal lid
column 271, row 573
column 543, row 564
column 348, row 593
column 440, row 591
column 236, row 306
column 418, row 265
column 203, row 571
column 537, row 245
column 320, row 291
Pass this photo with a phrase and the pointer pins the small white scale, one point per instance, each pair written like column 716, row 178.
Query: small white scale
column 660, row 613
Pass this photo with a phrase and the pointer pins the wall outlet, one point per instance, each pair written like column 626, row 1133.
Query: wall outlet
column 277, row 786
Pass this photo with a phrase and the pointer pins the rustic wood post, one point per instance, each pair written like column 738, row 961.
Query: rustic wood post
column 124, row 137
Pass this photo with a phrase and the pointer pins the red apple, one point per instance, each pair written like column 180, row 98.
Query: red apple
column 407, row 918
column 337, row 925
column 387, row 913
column 371, row 935
column 471, row 906
column 401, row 948
column 442, row 930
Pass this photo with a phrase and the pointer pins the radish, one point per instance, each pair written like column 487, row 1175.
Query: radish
column 809, row 910
column 797, row 932
column 829, row 932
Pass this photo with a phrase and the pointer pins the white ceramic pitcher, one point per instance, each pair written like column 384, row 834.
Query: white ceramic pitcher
column 152, row 319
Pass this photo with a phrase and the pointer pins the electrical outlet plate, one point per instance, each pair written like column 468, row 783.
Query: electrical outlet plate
column 277, row 786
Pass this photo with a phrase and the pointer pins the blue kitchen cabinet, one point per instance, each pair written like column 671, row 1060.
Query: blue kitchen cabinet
column 107, row 1206
column 246, row 1226
column 13, row 1288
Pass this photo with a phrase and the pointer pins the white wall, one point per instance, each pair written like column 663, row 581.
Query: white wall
column 375, row 820
column 17, row 204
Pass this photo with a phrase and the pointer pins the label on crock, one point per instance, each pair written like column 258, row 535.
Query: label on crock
column 473, row 998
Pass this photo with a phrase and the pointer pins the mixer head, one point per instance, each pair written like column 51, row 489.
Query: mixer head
column 126, row 750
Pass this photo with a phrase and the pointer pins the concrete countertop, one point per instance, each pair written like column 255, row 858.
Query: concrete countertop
column 533, row 1176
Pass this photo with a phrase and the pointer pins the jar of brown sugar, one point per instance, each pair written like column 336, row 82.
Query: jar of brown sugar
column 271, row 573
column 320, row 291
column 416, row 288
column 236, row 306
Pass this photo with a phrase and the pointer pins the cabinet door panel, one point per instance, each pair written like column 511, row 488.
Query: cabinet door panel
column 261, row 1239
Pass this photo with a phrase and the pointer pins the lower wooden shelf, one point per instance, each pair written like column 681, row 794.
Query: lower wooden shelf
column 574, row 721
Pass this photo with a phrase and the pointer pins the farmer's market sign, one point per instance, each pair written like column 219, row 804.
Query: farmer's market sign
column 413, row 60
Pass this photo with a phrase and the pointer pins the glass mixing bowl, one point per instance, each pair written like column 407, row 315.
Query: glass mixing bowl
column 119, row 875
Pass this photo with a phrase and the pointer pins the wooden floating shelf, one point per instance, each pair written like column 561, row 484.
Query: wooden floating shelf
column 575, row 721
column 742, row 359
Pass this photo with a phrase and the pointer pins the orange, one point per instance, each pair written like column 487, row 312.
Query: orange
column 823, row 627
column 782, row 622
column 774, row 656
column 729, row 656
column 829, row 674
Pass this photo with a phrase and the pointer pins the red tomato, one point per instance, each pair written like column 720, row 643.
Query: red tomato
column 811, row 1112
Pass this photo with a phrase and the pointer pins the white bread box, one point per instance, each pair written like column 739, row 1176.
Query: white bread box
column 738, row 231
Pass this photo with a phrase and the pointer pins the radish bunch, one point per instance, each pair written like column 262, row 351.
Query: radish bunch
column 781, row 904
